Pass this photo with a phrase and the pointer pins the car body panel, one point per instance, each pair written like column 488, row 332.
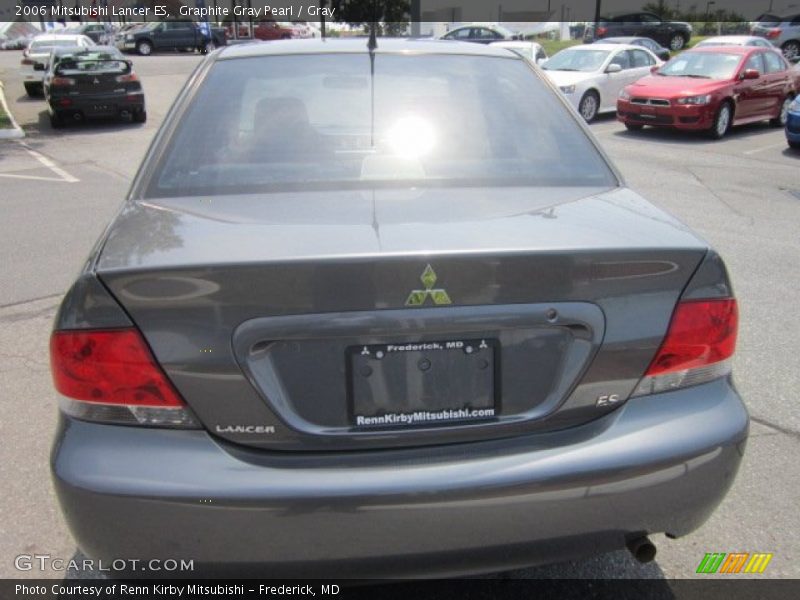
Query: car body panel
column 456, row 510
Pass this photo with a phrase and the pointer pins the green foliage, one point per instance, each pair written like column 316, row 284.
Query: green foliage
column 392, row 15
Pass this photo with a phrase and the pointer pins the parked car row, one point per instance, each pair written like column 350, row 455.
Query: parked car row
column 81, row 80
column 727, row 81
column 175, row 35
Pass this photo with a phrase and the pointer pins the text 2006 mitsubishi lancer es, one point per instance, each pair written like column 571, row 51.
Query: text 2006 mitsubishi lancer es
column 366, row 313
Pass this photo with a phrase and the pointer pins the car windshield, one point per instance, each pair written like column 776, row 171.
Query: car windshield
column 702, row 65
column 324, row 122
column 577, row 60
column 47, row 45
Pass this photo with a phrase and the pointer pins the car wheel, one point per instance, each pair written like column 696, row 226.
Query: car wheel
column 634, row 126
column 207, row 47
column 783, row 115
column 56, row 122
column 722, row 121
column 791, row 49
column 589, row 105
column 677, row 42
column 794, row 145
column 30, row 89
column 140, row 116
column 144, row 48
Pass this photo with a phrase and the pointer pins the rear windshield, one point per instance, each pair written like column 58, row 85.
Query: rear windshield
column 281, row 123
column 768, row 20
column 48, row 44
column 92, row 63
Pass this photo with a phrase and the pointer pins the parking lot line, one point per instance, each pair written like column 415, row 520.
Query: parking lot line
column 50, row 165
column 762, row 148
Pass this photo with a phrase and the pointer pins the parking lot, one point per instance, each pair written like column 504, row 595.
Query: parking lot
column 58, row 189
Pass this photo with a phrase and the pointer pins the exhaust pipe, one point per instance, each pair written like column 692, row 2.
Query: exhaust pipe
column 642, row 549
column 77, row 116
column 125, row 114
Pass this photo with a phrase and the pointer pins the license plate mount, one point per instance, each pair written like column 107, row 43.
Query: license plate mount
column 420, row 384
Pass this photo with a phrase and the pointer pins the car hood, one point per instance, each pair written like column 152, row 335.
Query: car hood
column 562, row 78
column 322, row 225
column 669, row 87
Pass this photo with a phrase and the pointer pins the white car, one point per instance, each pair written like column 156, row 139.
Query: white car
column 530, row 50
column 592, row 75
column 38, row 53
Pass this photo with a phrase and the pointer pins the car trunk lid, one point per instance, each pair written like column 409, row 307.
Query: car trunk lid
column 266, row 310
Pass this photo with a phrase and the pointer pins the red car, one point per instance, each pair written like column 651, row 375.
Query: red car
column 272, row 30
column 712, row 89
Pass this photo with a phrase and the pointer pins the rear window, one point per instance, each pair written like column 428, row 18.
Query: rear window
column 42, row 45
column 281, row 123
column 92, row 63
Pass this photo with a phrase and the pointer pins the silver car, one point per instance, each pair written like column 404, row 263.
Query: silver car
column 783, row 32
column 365, row 314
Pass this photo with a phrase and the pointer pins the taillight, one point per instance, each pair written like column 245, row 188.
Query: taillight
column 601, row 31
column 130, row 77
column 111, row 376
column 774, row 33
column 26, row 60
column 62, row 81
column 699, row 344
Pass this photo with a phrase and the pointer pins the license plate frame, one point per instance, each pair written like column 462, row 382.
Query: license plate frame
column 408, row 385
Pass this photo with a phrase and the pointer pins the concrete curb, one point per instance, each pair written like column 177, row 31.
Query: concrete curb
column 16, row 131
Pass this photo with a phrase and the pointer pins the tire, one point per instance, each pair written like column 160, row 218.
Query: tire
column 783, row 115
column 634, row 126
column 589, row 105
column 144, row 48
column 791, row 49
column 677, row 42
column 56, row 122
column 794, row 145
column 30, row 89
column 140, row 116
column 207, row 47
column 722, row 121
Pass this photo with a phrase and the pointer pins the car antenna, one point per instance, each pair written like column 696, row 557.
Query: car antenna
column 372, row 44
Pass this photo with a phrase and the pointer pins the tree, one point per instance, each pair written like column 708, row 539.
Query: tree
column 391, row 16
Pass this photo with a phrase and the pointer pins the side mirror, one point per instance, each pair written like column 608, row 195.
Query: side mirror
column 750, row 74
column 654, row 69
column 613, row 68
column 39, row 67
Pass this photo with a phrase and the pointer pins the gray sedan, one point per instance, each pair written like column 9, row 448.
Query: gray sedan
column 365, row 314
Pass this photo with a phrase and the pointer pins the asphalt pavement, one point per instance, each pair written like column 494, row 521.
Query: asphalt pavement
column 58, row 190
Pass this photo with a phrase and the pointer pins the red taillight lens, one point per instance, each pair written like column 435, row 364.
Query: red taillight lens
column 697, row 349
column 702, row 332
column 62, row 81
column 27, row 61
column 773, row 33
column 109, row 367
column 129, row 78
column 601, row 31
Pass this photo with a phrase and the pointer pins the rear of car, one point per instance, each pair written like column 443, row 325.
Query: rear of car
column 455, row 349
column 783, row 32
column 92, row 83
column 34, row 57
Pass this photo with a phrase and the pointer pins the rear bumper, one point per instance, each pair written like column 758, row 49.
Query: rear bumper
column 678, row 117
column 658, row 464
column 97, row 104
